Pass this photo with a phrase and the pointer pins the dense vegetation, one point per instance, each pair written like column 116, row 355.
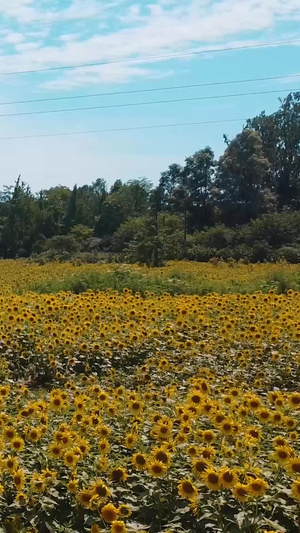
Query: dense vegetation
column 245, row 205
column 128, row 412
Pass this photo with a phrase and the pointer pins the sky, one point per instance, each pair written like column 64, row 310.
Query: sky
column 134, row 39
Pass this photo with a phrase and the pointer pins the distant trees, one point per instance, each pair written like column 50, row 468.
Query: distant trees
column 193, row 206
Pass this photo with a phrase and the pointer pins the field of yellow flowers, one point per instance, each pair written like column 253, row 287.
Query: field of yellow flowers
column 123, row 412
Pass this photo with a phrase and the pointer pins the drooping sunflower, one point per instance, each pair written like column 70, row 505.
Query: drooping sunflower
column 187, row 490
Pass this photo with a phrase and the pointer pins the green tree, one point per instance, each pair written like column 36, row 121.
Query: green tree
column 21, row 225
column 242, row 177
column 280, row 134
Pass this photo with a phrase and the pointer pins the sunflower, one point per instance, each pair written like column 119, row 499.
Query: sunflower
column 257, row 487
column 279, row 441
column 124, row 510
column 208, row 436
column 293, row 466
column 160, row 454
column 241, row 492
column 55, row 450
column 109, row 513
column 19, row 479
column 34, row 434
column 295, row 488
column 11, row 464
column 84, row 498
column 56, row 403
column 100, row 489
column 130, row 440
column 37, row 482
column 228, row 477
column 21, row 498
column 208, row 453
column 157, row 468
column 95, row 528
column 140, row 461
column 212, row 479
column 9, row 433
column 199, row 466
column 104, row 446
column 72, row 486
column 187, row 490
column 281, row 454
column 70, row 458
column 294, row 400
column 118, row 526
column 17, row 443
column 118, row 474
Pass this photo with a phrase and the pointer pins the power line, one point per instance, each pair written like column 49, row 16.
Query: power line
column 152, row 89
column 150, row 58
column 138, row 104
column 132, row 128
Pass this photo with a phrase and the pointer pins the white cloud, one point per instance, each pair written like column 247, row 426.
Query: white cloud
column 69, row 37
column 14, row 38
column 161, row 27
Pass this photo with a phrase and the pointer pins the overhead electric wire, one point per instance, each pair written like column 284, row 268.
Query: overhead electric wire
column 150, row 58
column 152, row 89
column 131, row 128
column 138, row 104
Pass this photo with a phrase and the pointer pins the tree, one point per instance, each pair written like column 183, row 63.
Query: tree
column 129, row 200
column 199, row 172
column 242, row 176
column 280, row 134
column 21, row 225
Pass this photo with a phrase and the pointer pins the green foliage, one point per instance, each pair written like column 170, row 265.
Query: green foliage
column 254, row 189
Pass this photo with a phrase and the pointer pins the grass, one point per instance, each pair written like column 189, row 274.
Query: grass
column 177, row 282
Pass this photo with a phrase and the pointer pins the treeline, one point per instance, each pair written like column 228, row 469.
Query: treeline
column 243, row 206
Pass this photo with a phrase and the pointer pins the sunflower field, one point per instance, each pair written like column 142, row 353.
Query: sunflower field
column 155, row 412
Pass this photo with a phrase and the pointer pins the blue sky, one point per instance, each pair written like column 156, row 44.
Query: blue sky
column 38, row 34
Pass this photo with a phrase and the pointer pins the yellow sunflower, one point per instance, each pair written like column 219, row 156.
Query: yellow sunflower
column 187, row 490
column 140, row 461
column 157, row 468
column 212, row 479
column 109, row 513
column 257, row 487
column 295, row 488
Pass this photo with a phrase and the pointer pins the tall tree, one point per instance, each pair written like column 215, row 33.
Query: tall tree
column 242, row 177
column 280, row 134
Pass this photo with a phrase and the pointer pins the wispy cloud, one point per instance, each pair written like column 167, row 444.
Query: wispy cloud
column 161, row 27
